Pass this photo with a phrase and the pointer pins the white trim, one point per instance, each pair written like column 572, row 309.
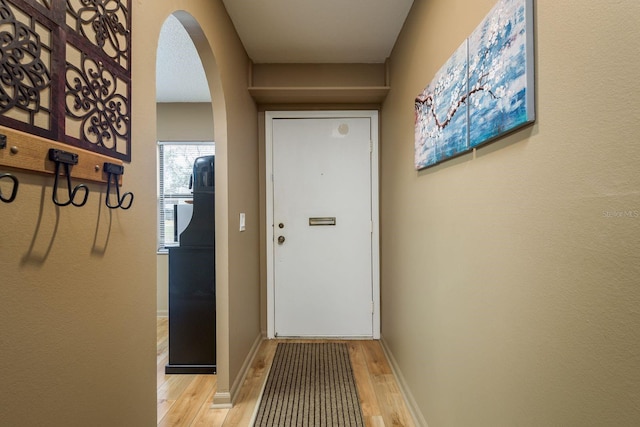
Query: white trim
column 375, row 203
column 414, row 410
column 221, row 400
column 375, row 219
column 182, row 142
column 162, row 313
column 244, row 370
column 256, row 408
column 269, row 116
column 224, row 400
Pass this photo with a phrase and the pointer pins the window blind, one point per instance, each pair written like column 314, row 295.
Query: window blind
column 175, row 166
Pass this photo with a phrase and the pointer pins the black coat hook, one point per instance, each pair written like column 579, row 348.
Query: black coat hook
column 113, row 172
column 65, row 158
column 14, row 192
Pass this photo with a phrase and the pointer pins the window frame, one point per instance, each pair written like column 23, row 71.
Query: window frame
column 161, row 197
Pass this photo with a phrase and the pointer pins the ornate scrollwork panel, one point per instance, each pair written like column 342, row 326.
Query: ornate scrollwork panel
column 97, row 106
column 104, row 23
column 65, row 71
column 25, row 64
column 45, row 3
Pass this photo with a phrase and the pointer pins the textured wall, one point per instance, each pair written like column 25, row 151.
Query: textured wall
column 78, row 285
column 185, row 121
column 235, row 132
column 510, row 279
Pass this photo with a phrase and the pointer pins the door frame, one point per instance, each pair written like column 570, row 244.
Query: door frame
column 375, row 202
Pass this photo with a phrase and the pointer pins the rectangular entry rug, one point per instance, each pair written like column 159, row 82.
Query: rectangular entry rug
column 310, row 385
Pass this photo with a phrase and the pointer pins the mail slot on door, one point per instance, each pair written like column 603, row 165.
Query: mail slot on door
column 326, row 220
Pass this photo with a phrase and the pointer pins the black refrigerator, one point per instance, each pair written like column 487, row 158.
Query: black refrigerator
column 192, row 282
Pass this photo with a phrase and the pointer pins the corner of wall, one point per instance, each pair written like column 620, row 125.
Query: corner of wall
column 413, row 407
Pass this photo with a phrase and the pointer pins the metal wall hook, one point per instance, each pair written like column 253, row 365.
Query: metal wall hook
column 65, row 158
column 14, row 191
column 113, row 172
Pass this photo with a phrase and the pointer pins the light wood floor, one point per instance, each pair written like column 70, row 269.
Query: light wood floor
column 185, row 400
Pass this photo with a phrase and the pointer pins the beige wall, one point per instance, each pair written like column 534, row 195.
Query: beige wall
column 235, row 133
column 185, row 121
column 162, row 290
column 179, row 122
column 318, row 75
column 78, row 285
column 509, row 294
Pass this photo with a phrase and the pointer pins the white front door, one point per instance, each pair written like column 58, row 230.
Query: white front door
column 323, row 215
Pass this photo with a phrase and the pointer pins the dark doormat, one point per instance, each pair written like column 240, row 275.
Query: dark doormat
column 309, row 385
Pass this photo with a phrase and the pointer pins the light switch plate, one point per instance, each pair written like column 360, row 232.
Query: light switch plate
column 242, row 222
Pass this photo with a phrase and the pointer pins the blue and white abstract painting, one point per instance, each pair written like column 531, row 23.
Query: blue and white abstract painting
column 485, row 89
column 441, row 113
column 501, row 72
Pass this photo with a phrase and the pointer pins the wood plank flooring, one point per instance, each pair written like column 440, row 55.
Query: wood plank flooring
column 185, row 400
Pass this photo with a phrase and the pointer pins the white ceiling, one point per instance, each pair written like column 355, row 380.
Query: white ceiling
column 284, row 31
column 327, row 31
column 179, row 73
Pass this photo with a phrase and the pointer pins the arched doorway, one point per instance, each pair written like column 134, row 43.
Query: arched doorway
column 184, row 119
column 185, row 112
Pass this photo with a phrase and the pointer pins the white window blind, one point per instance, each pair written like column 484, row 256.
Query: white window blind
column 175, row 166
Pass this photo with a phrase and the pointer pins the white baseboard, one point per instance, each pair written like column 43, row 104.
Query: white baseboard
column 224, row 399
column 416, row 414
column 254, row 416
column 162, row 313
column 221, row 400
column 245, row 367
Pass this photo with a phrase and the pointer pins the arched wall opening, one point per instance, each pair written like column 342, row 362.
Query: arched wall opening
column 215, row 126
column 185, row 130
column 237, row 173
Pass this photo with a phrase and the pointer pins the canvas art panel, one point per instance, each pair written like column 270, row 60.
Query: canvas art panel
column 484, row 90
column 441, row 113
column 501, row 72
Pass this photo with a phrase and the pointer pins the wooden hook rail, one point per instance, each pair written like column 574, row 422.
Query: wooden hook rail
column 29, row 152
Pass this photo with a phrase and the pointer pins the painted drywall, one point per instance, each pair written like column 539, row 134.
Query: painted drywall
column 185, row 121
column 78, row 285
column 237, row 254
column 318, row 75
column 77, row 299
column 162, row 289
column 77, row 303
column 179, row 122
column 510, row 277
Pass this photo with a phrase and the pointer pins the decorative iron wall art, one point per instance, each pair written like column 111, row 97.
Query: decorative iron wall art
column 65, row 72
column 485, row 90
column 25, row 68
column 45, row 3
column 104, row 23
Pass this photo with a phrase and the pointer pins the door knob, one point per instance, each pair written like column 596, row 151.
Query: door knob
column 280, row 240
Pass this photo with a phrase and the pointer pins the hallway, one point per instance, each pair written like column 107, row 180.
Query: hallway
column 185, row 400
